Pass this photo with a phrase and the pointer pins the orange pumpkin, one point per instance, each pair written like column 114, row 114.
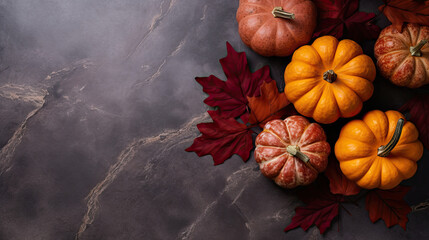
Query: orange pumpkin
column 329, row 79
column 403, row 58
column 292, row 152
column 276, row 27
column 380, row 150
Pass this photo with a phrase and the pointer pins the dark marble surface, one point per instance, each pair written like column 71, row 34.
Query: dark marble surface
column 97, row 104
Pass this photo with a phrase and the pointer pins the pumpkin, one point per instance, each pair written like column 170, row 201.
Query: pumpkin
column 380, row 150
column 329, row 79
column 276, row 27
column 292, row 151
column 403, row 57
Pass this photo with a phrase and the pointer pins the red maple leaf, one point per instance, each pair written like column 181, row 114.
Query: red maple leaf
column 222, row 138
column 341, row 18
column 230, row 96
column 270, row 104
column 338, row 183
column 400, row 11
column 418, row 109
column 388, row 205
column 322, row 207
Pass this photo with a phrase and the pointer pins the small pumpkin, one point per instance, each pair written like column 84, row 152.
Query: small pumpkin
column 380, row 150
column 276, row 27
column 403, row 57
column 329, row 79
column 292, row 151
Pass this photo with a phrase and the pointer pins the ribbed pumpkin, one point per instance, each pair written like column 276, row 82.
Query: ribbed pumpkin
column 292, row 152
column 403, row 58
column 380, row 150
column 329, row 79
column 276, row 27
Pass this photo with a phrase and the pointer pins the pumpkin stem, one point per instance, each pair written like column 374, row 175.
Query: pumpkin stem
column 415, row 51
column 330, row 76
column 279, row 12
column 385, row 150
column 295, row 151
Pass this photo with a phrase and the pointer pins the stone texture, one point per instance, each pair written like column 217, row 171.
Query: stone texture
column 97, row 104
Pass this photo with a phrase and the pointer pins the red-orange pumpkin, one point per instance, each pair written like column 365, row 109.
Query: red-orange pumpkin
column 403, row 58
column 292, row 152
column 276, row 27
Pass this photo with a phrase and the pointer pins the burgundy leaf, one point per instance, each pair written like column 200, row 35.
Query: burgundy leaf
column 231, row 95
column 341, row 18
column 322, row 207
column 388, row 205
column 338, row 183
column 222, row 138
column 418, row 109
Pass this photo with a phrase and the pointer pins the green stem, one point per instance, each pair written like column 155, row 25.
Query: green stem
column 416, row 50
column 279, row 12
column 385, row 150
column 295, row 151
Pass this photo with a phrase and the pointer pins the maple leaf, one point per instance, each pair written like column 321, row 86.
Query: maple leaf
column 400, row 11
column 269, row 105
column 322, row 207
column 230, row 96
column 341, row 18
column 389, row 206
column 338, row 183
column 222, row 138
column 418, row 109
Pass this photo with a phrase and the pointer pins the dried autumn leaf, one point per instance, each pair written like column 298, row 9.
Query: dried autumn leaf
column 341, row 18
column 418, row 109
column 230, row 96
column 268, row 105
column 322, row 207
column 388, row 205
column 400, row 11
column 338, row 183
column 222, row 138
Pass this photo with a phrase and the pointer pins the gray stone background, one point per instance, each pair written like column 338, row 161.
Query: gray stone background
column 97, row 104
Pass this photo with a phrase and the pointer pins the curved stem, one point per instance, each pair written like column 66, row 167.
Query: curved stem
column 330, row 76
column 416, row 50
column 279, row 12
column 295, row 151
column 385, row 150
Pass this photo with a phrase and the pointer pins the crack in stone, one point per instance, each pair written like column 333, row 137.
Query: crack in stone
column 234, row 182
column 125, row 157
column 83, row 63
column 245, row 219
column 161, row 66
column 154, row 23
column 25, row 94
column 204, row 13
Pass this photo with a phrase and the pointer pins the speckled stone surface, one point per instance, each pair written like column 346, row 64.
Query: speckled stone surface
column 98, row 102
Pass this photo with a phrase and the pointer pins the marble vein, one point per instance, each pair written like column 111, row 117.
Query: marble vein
column 163, row 62
column 233, row 183
column 175, row 136
column 204, row 13
column 25, row 94
column 154, row 23
column 83, row 63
